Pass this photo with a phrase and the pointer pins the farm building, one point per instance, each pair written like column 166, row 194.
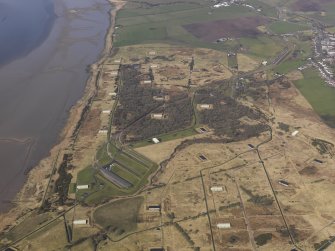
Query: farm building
column 81, row 187
column 147, row 82
column 155, row 140
column 103, row 131
column 106, row 112
column 217, row 189
column 223, row 225
column 81, row 222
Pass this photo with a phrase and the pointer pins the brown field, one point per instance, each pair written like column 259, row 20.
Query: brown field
column 310, row 5
column 226, row 28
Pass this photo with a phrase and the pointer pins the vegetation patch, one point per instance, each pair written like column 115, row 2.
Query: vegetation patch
column 119, row 217
column 262, row 239
column 264, row 200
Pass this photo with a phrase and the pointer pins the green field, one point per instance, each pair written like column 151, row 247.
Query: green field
column 261, row 46
column 318, row 94
column 167, row 137
column 232, row 61
column 140, row 24
column 282, row 27
column 119, row 217
column 288, row 66
column 125, row 174
column 100, row 188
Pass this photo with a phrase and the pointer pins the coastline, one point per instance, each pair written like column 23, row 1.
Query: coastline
column 32, row 192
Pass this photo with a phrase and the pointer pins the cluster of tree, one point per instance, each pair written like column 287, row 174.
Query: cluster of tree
column 225, row 116
column 135, row 100
column 136, row 103
column 178, row 111
column 64, row 180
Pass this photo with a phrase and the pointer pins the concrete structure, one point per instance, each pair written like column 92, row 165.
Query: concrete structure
column 106, row 112
column 113, row 94
column 154, row 208
column 217, row 189
column 223, row 225
column 152, row 53
column 153, row 66
column 80, row 222
column 295, row 133
column 147, row 82
column 155, row 140
column 103, row 131
column 81, row 187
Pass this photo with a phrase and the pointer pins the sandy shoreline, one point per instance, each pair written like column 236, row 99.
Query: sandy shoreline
column 31, row 194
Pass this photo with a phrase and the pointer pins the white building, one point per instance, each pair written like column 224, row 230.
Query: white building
column 155, row 140
column 106, row 111
column 295, row 133
column 80, row 222
column 81, row 187
column 216, row 189
column 223, row 225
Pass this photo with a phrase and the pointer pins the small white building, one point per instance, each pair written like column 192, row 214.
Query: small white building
column 205, row 106
column 217, row 189
column 295, row 133
column 157, row 115
column 223, row 225
column 147, row 82
column 80, row 222
column 81, row 187
column 103, row 131
column 155, row 140
column 106, row 111
column 113, row 94
column 153, row 66
column 264, row 63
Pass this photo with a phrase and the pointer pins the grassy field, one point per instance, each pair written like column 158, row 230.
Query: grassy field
column 163, row 22
column 282, row 27
column 167, row 137
column 261, row 46
column 288, row 66
column 232, row 61
column 120, row 216
column 318, row 94
column 133, row 168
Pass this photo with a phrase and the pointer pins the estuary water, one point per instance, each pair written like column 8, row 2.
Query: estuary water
column 45, row 48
